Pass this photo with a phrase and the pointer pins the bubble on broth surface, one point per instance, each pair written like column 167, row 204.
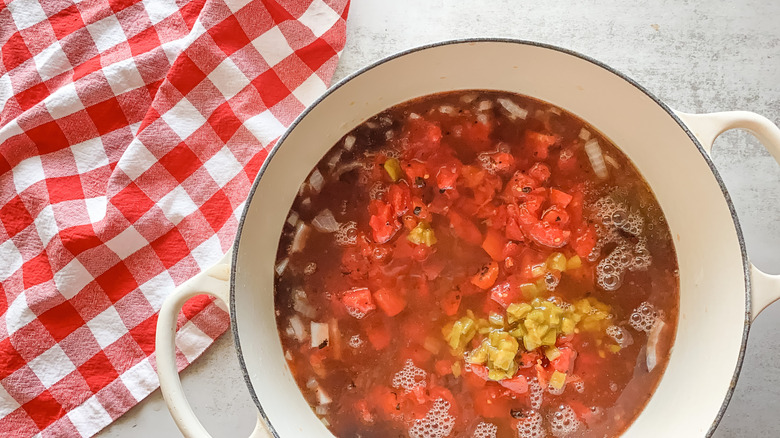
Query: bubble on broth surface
column 564, row 421
column 620, row 336
column 355, row 313
column 310, row 268
column 643, row 317
column 530, row 426
column 620, row 227
column 536, row 393
column 355, row 341
column 554, row 391
column 551, row 281
column 377, row 191
column 409, row 377
column 485, row 430
column 438, row 422
column 579, row 386
column 346, row 235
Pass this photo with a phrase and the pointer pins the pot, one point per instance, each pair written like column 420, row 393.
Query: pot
column 720, row 291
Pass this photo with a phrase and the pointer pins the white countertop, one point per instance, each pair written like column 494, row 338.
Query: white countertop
column 696, row 55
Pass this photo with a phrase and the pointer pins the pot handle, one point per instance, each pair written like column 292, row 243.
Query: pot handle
column 707, row 127
column 215, row 282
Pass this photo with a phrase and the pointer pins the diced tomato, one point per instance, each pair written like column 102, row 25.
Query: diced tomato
column 494, row 244
column 565, row 362
column 472, row 175
column 533, row 202
column 441, row 202
column 378, row 334
column 513, row 230
column 548, row 235
column 575, row 206
column 517, row 384
column 491, row 402
column 528, row 359
column 420, row 210
column 505, row 294
column 486, row 191
column 542, row 375
column 529, row 261
column 443, row 367
column 464, row 228
column 583, row 241
column 538, row 144
column 539, row 172
column 511, row 249
column 383, row 222
column 399, row 197
column 520, row 185
column 358, row 299
column 389, row 301
column 422, row 252
column 487, row 276
column 475, row 379
column 556, row 216
column 503, row 162
column 451, row 302
column 480, row 371
column 447, row 175
column 559, row 198
column 416, row 172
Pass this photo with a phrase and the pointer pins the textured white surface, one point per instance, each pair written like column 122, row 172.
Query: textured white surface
column 697, row 56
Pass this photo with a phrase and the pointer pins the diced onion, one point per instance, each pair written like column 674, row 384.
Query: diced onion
column 301, row 304
column 611, row 161
column 292, row 219
column 596, row 158
column 485, row 105
column 324, row 222
column 311, row 383
column 334, row 159
column 299, row 330
column 281, row 266
column 316, row 180
column 514, row 110
column 468, row 98
column 652, row 344
column 349, row 141
column 346, row 168
column 414, row 116
column 322, row 397
column 447, row 109
column 319, row 334
column 321, row 410
column 301, row 234
column 584, row 134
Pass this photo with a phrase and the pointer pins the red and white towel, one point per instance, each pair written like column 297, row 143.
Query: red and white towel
column 130, row 132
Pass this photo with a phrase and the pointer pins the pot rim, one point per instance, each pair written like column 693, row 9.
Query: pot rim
column 348, row 78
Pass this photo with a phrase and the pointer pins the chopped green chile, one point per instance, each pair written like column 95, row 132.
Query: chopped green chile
column 476, row 270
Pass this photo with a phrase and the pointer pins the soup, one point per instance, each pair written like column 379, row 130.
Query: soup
column 476, row 263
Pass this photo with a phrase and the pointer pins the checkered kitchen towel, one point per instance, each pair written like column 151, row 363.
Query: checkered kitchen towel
column 130, row 132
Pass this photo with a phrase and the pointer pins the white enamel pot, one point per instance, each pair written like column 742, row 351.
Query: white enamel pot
column 720, row 291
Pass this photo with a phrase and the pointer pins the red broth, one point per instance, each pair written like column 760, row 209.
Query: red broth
column 479, row 264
